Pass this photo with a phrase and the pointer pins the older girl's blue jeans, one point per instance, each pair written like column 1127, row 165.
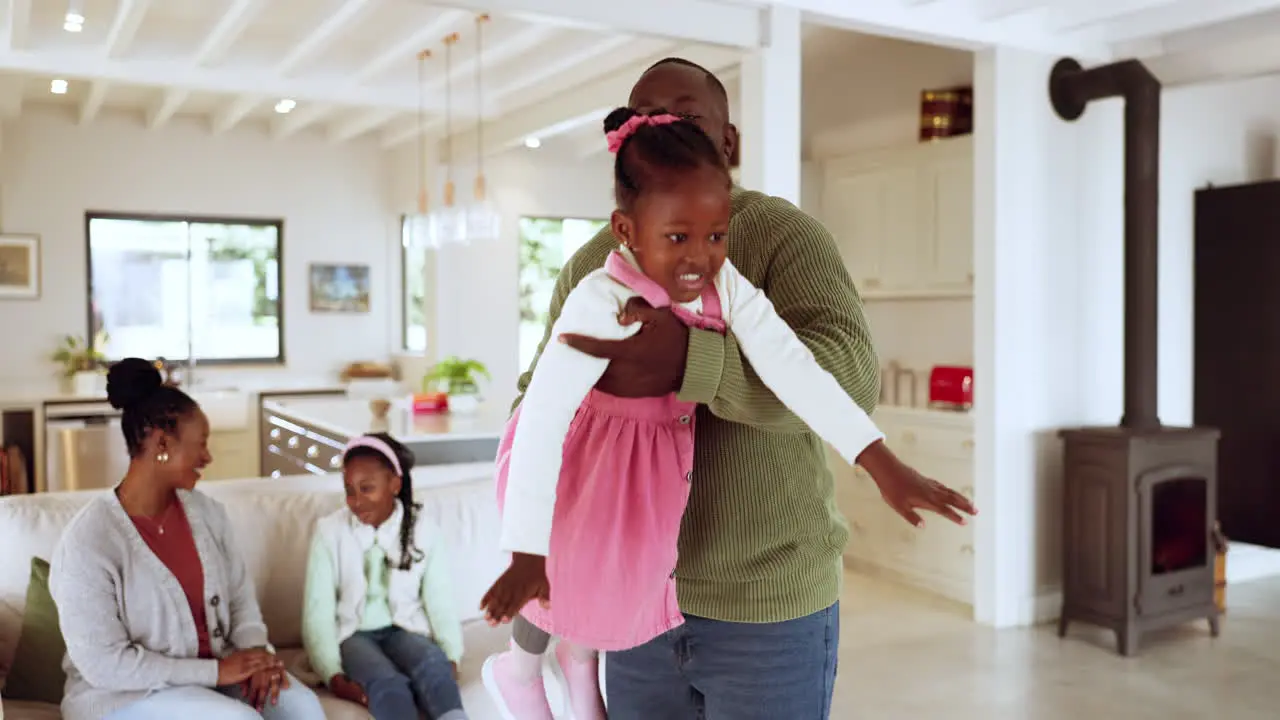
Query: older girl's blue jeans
column 401, row 673
column 297, row 702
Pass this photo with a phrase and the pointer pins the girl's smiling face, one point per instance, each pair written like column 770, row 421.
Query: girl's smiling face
column 678, row 230
column 372, row 487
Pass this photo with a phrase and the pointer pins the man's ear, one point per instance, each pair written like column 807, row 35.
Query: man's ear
column 624, row 231
column 732, row 142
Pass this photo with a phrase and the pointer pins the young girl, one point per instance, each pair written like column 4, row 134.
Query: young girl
column 592, row 486
column 378, row 620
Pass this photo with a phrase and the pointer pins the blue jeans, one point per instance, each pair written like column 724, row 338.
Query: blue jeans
column 715, row 670
column 396, row 668
column 297, row 702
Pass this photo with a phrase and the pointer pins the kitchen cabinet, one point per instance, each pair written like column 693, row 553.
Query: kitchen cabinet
column 903, row 219
column 235, row 455
column 938, row 557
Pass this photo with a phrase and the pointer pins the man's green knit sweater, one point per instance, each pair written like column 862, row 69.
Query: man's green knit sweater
column 762, row 538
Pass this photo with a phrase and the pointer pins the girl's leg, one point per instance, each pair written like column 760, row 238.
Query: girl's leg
column 514, row 678
column 577, row 668
column 430, row 674
column 186, row 702
column 390, row 697
column 296, row 702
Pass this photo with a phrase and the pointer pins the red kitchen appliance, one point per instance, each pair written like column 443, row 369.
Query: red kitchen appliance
column 951, row 388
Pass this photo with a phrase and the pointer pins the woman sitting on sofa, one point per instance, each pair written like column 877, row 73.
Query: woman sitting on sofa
column 154, row 601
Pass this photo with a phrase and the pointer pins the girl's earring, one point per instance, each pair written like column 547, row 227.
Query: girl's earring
column 163, row 457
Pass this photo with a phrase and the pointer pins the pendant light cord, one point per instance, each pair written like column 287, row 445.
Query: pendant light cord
column 480, row 20
column 448, row 108
column 422, row 134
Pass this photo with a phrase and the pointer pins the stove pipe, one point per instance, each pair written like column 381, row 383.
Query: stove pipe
column 1071, row 88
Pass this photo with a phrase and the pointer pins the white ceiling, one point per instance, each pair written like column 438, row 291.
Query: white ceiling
column 550, row 66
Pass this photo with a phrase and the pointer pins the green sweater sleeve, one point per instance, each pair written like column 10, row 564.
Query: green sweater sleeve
column 320, row 611
column 437, row 598
column 811, row 290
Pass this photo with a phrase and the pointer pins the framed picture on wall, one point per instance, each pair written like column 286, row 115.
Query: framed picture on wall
column 339, row 288
column 19, row 267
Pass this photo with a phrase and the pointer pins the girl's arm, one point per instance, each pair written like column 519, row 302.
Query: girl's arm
column 247, row 628
column 84, row 589
column 320, row 611
column 788, row 368
column 437, row 598
column 559, row 384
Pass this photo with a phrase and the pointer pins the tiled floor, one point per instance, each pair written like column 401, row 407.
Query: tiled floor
column 904, row 655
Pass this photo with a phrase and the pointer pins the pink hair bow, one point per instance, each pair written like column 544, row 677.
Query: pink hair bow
column 619, row 136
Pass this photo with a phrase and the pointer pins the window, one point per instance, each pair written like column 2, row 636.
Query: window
column 545, row 244
column 413, row 320
column 173, row 287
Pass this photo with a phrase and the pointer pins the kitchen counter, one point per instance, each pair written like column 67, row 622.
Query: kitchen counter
column 903, row 413
column 307, row 435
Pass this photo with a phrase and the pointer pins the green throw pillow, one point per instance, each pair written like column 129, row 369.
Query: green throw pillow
column 37, row 673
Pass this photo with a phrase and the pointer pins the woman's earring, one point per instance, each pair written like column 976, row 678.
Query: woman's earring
column 163, row 457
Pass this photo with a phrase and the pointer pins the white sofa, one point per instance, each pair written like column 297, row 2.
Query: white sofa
column 273, row 520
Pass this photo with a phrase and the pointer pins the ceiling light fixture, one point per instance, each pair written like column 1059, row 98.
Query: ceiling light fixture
column 58, row 87
column 73, row 21
column 532, row 143
column 285, row 105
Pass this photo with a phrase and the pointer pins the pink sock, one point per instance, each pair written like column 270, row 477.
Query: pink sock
column 525, row 666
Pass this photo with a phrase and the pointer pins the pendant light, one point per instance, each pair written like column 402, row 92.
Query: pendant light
column 448, row 222
column 483, row 219
column 419, row 224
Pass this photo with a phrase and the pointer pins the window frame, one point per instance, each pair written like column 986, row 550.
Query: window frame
column 277, row 223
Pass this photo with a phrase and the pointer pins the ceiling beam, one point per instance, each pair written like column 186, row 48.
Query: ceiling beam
column 1182, row 16
column 282, row 126
column 990, row 10
column 129, row 16
column 702, row 21
column 159, row 114
column 1238, row 60
column 166, row 73
column 495, row 54
column 1220, row 34
column 1080, row 14
column 610, row 54
column 951, row 25
column 348, row 14
column 213, row 49
column 589, row 146
column 405, row 50
column 18, row 34
column 360, row 124
column 93, row 100
column 587, row 103
column 231, row 115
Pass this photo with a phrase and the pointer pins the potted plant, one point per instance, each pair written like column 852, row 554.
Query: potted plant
column 460, row 380
column 82, row 363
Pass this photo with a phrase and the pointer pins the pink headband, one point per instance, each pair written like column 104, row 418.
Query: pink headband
column 373, row 443
column 619, row 136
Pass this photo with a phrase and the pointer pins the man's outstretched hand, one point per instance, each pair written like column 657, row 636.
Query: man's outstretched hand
column 524, row 580
column 647, row 364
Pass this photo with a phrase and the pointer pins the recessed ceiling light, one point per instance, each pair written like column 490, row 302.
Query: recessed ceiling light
column 58, row 87
column 71, row 26
column 532, row 143
column 285, row 106
column 73, row 21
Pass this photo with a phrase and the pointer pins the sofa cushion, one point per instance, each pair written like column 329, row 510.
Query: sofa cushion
column 37, row 665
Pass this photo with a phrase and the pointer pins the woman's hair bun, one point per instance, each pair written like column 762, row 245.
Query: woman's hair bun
column 618, row 118
column 131, row 381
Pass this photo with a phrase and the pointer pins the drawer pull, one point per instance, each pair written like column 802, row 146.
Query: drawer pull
column 967, row 444
column 871, row 283
column 275, row 473
column 966, row 549
column 275, row 433
column 313, row 451
column 909, row 437
column 967, row 491
column 335, row 461
column 293, row 442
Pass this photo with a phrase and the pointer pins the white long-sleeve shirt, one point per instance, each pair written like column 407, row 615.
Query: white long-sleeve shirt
column 564, row 376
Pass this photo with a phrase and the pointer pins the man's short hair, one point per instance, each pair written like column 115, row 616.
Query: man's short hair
column 712, row 80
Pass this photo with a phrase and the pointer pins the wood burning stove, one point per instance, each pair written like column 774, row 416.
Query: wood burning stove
column 1140, row 499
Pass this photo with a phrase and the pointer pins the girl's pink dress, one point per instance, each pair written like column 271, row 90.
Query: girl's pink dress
column 622, row 492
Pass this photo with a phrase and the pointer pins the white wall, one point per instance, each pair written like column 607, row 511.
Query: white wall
column 333, row 199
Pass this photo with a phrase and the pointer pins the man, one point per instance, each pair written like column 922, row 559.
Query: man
column 761, row 543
